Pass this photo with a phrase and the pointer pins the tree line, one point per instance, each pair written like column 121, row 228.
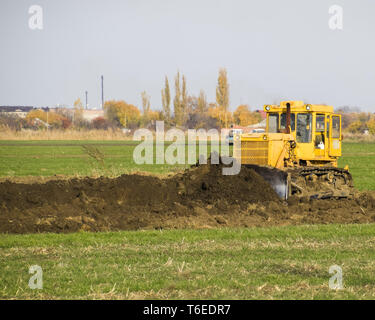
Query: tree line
column 355, row 121
column 183, row 110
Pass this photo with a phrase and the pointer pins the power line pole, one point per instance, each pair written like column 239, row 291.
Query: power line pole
column 102, row 92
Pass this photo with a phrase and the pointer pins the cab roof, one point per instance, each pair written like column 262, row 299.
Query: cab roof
column 298, row 106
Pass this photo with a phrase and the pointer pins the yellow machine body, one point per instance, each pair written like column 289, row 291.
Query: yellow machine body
column 313, row 139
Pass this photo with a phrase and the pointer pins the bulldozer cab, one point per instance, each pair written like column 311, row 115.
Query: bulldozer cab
column 315, row 129
column 298, row 153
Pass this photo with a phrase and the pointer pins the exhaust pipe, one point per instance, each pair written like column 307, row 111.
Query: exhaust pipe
column 287, row 129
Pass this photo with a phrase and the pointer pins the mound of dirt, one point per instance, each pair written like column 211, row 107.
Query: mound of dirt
column 200, row 197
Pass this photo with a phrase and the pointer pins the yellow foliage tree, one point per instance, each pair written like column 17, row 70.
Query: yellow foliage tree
column 202, row 103
column 222, row 93
column 155, row 115
column 371, row 126
column 50, row 118
column 355, row 126
column 220, row 114
column 78, row 109
column 177, row 103
column 146, row 105
column 122, row 113
column 166, row 100
column 244, row 117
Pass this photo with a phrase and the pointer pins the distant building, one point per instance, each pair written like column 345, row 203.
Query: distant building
column 257, row 127
column 262, row 113
column 90, row 115
column 18, row 111
column 239, row 129
column 252, row 128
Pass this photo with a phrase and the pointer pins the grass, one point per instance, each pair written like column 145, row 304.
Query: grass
column 69, row 158
column 360, row 157
column 48, row 158
column 258, row 263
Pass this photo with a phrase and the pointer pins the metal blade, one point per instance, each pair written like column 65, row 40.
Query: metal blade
column 278, row 179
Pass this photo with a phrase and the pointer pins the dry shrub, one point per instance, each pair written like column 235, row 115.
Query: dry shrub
column 70, row 134
column 358, row 137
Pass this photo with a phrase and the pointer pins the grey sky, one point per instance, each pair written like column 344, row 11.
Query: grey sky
column 272, row 50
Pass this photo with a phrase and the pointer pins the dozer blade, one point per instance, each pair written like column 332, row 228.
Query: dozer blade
column 278, row 179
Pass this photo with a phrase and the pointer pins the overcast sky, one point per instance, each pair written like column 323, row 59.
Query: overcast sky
column 272, row 50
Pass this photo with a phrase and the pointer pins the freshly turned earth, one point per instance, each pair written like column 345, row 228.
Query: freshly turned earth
column 201, row 197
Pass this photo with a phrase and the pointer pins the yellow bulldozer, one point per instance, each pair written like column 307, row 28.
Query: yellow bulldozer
column 298, row 152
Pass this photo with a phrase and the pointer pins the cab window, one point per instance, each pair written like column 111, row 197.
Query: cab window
column 273, row 122
column 320, row 120
column 335, row 127
column 319, row 131
column 304, row 127
column 292, row 121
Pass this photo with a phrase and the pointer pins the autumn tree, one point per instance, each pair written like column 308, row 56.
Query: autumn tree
column 244, row 117
column 100, row 123
column 364, row 117
column 166, row 100
column 348, row 115
column 219, row 113
column 347, row 119
column 177, row 102
column 155, row 115
column 78, row 110
column 371, row 126
column 355, row 127
column 202, row 103
column 222, row 93
column 191, row 105
column 181, row 100
column 145, row 106
column 47, row 119
column 14, row 123
column 122, row 114
column 184, row 100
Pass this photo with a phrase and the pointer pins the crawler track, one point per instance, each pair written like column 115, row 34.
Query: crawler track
column 321, row 182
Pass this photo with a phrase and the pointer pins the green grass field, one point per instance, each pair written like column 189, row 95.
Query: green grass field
column 49, row 158
column 257, row 263
column 360, row 157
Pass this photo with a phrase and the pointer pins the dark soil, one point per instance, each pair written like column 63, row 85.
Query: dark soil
column 201, row 197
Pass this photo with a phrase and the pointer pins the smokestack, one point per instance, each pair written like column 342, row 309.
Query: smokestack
column 102, row 92
column 86, row 100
